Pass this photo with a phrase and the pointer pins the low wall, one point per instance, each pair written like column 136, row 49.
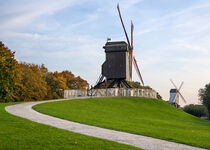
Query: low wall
column 121, row 92
column 74, row 93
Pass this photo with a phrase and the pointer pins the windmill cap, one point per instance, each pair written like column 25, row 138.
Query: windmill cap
column 115, row 43
column 173, row 90
column 117, row 46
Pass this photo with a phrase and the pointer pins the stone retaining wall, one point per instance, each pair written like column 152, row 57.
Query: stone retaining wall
column 121, row 92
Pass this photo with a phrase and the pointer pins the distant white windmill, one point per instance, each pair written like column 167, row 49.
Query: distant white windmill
column 175, row 94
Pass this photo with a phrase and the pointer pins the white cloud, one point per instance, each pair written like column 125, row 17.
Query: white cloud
column 20, row 14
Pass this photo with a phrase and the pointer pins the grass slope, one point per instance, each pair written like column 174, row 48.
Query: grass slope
column 21, row 134
column 149, row 117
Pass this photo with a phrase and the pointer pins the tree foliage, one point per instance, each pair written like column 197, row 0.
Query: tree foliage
column 196, row 110
column 204, row 95
column 9, row 74
column 74, row 82
column 34, row 87
column 57, row 84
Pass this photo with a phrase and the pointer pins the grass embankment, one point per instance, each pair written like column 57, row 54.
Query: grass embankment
column 149, row 117
column 21, row 134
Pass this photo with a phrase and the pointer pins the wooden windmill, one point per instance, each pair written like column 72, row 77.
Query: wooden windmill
column 175, row 94
column 118, row 67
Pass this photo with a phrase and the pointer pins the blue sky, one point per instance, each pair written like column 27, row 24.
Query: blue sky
column 171, row 38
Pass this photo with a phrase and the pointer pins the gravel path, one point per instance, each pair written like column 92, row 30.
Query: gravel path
column 25, row 110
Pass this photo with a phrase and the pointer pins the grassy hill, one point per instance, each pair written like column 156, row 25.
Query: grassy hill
column 21, row 134
column 149, row 117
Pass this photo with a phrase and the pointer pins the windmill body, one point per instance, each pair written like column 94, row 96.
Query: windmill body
column 116, row 68
column 116, row 65
column 174, row 97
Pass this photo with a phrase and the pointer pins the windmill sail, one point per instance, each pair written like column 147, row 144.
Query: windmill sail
column 182, row 97
column 131, row 53
column 132, row 27
column 178, row 91
column 137, row 70
column 118, row 8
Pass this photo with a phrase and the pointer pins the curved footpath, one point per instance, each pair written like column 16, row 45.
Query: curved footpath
column 25, row 110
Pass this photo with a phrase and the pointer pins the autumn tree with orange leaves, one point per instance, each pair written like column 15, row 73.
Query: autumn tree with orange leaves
column 9, row 74
column 34, row 86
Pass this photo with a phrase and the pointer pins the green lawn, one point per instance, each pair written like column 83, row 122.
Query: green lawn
column 149, row 117
column 21, row 134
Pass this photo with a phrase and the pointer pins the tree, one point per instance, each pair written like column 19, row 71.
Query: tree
column 204, row 95
column 34, row 86
column 70, row 79
column 9, row 75
column 57, row 83
column 74, row 82
column 196, row 110
column 80, row 83
column 45, row 75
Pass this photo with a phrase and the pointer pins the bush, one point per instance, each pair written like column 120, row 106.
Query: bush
column 196, row 110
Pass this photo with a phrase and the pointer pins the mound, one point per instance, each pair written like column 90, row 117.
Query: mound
column 149, row 117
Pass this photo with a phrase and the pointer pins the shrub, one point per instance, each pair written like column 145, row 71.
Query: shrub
column 196, row 110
